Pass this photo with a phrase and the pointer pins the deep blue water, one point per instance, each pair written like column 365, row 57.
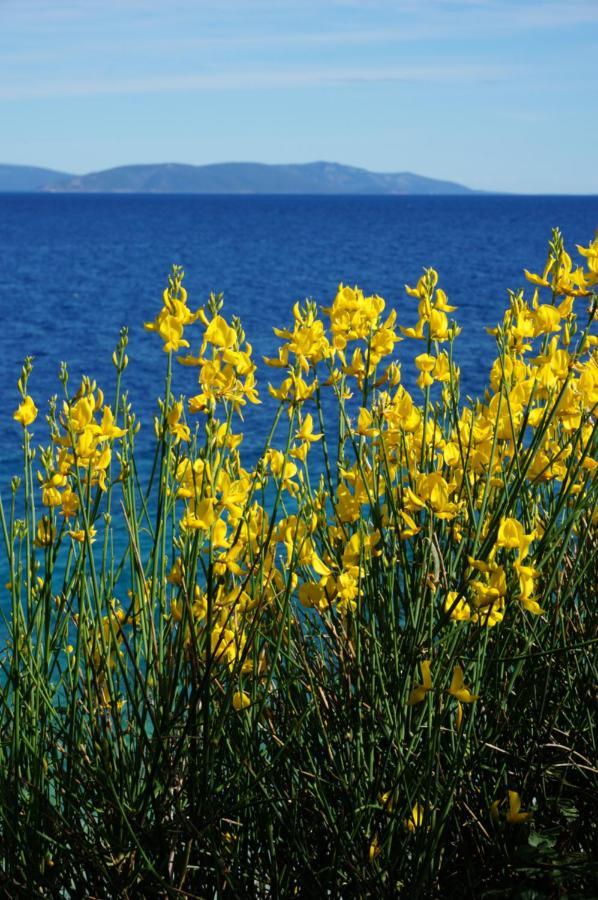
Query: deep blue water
column 73, row 269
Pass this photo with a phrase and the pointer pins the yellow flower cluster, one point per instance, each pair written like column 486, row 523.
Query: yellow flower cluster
column 80, row 460
column 447, row 467
column 170, row 322
column 434, row 486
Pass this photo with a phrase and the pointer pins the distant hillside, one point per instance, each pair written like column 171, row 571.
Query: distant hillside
column 238, row 178
column 29, row 178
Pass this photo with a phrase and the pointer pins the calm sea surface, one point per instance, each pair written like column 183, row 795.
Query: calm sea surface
column 74, row 269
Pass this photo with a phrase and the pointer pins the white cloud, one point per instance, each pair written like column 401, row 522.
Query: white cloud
column 524, row 13
column 264, row 79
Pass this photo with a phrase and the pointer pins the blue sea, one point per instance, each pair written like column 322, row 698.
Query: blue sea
column 75, row 268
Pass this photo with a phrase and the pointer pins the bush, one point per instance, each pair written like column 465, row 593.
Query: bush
column 361, row 667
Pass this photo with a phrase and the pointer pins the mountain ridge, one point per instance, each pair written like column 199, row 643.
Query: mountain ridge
column 28, row 178
column 227, row 178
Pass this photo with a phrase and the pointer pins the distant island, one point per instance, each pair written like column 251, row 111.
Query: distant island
column 225, row 178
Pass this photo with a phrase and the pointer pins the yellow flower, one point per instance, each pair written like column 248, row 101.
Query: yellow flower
column 459, row 610
column 433, row 489
column 527, row 576
column 425, row 362
column 514, row 816
column 441, row 302
column 420, row 690
column 199, row 516
column 107, row 430
column 27, row 412
column 313, row 596
column 417, row 332
column 241, row 700
column 416, row 819
column 488, row 594
column 402, row 413
column 224, row 645
column 458, row 688
column 308, row 341
column 79, row 535
column 220, row 334
column 294, row 389
column 69, row 502
column 374, row 849
column 412, row 527
column 546, row 319
column 176, row 574
column 512, row 535
column 282, row 468
column 45, row 533
column 233, row 494
column 540, row 280
column 178, row 429
column 50, row 493
column 347, row 587
column 442, row 369
column 300, row 452
column 438, row 326
column 353, row 316
column 565, row 280
column 386, row 801
column 360, row 544
column 425, row 285
column 591, row 254
column 319, row 567
column 365, row 422
column 170, row 328
column 306, row 432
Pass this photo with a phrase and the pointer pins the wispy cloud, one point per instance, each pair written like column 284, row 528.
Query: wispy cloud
column 266, row 80
column 257, row 41
column 491, row 18
column 524, row 13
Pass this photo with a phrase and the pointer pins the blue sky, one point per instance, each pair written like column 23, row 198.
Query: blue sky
column 497, row 94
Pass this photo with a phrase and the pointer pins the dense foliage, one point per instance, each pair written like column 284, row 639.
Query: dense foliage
column 362, row 667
